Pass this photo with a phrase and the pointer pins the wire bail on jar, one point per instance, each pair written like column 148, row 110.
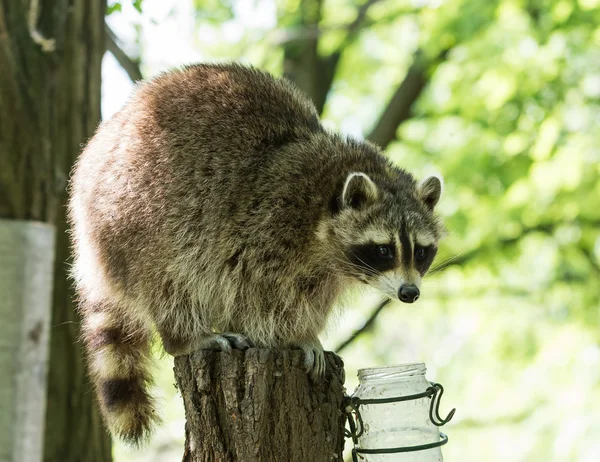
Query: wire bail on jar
column 355, row 422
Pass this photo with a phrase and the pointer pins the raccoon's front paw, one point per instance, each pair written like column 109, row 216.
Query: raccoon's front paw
column 314, row 359
column 225, row 342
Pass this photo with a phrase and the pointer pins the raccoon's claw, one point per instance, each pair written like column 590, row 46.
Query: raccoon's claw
column 314, row 360
column 238, row 341
column 225, row 342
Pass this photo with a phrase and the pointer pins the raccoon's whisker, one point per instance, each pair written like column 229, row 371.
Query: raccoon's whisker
column 361, row 270
column 375, row 271
column 367, row 270
column 357, row 270
column 445, row 263
column 452, row 258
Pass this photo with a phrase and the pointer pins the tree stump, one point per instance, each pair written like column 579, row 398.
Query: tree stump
column 260, row 405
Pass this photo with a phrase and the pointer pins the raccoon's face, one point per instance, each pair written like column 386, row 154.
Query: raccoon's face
column 388, row 232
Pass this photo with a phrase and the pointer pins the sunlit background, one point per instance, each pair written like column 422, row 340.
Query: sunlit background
column 510, row 116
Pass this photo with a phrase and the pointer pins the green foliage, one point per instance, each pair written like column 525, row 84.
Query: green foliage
column 137, row 4
column 113, row 7
column 118, row 6
column 213, row 11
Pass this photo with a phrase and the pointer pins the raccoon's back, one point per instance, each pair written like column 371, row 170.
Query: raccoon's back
column 182, row 167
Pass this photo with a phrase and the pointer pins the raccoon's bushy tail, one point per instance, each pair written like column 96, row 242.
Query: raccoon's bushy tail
column 120, row 361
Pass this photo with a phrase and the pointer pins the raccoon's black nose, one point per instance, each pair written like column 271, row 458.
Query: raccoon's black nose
column 408, row 293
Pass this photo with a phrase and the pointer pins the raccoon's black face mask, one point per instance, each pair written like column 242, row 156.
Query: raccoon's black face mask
column 392, row 233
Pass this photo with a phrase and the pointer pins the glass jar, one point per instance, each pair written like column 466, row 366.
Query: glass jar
column 400, row 424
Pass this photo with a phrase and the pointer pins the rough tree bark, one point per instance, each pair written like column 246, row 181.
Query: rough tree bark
column 260, row 405
column 50, row 70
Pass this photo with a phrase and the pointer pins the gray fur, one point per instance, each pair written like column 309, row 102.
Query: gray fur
column 212, row 202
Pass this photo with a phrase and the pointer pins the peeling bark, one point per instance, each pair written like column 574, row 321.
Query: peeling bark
column 260, row 405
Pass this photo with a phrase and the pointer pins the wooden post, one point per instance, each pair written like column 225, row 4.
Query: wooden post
column 260, row 405
column 26, row 279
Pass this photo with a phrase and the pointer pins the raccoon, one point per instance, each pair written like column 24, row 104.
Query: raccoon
column 215, row 210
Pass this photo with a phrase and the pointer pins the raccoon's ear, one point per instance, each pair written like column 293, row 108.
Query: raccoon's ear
column 430, row 190
column 359, row 190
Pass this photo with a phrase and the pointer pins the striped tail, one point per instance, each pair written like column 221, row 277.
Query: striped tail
column 120, row 361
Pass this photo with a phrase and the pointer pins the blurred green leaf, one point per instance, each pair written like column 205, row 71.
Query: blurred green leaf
column 137, row 4
column 112, row 7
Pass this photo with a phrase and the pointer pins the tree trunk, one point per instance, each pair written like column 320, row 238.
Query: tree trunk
column 26, row 256
column 302, row 64
column 260, row 405
column 50, row 61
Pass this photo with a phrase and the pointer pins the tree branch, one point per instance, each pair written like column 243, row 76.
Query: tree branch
column 365, row 327
column 300, row 56
column 130, row 65
column 355, row 26
column 400, row 105
column 591, row 260
column 351, row 29
column 466, row 257
column 303, row 65
column 327, row 66
column 33, row 16
column 547, row 228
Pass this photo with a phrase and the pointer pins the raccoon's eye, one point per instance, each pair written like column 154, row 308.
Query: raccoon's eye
column 384, row 251
column 423, row 257
column 420, row 253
